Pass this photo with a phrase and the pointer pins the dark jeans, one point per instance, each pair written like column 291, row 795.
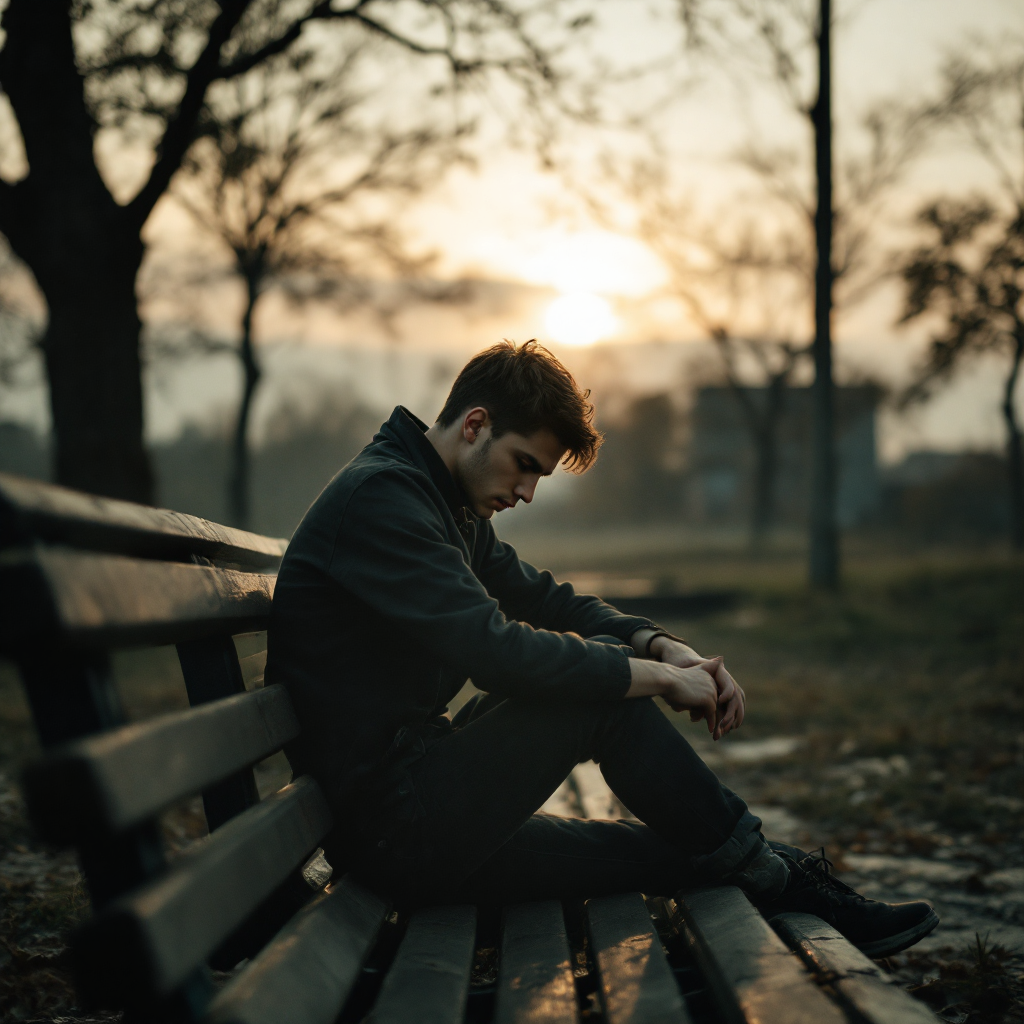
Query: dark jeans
column 460, row 824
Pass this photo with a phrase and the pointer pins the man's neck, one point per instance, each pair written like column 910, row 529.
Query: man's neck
column 445, row 442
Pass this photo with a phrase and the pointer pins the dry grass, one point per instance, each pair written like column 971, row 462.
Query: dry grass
column 907, row 689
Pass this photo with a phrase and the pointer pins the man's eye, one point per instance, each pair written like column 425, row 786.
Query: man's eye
column 524, row 466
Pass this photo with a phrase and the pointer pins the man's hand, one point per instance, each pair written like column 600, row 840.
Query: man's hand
column 731, row 698
column 684, row 689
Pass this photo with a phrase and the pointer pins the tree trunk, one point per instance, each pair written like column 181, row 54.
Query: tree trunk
column 91, row 347
column 766, row 446
column 239, row 483
column 824, row 546
column 1015, row 468
column 84, row 251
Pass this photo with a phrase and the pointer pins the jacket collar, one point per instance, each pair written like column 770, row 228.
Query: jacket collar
column 409, row 431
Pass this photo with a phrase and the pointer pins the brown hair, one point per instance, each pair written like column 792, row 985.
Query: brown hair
column 525, row 388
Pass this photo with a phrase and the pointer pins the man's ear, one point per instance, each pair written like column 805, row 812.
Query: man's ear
column 473, row 422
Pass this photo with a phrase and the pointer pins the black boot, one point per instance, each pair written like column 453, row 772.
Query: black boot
column 877, row 929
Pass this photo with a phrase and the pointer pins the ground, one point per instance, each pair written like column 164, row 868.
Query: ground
column 884, row 724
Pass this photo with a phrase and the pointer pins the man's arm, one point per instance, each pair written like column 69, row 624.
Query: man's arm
column 392, row 551
column 530, row 595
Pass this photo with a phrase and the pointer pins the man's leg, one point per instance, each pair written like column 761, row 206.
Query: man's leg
column 476, row 789
column 471, row 833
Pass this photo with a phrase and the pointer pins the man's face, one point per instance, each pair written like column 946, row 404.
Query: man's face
column 497, row 473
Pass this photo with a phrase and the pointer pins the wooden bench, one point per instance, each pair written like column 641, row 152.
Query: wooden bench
column 82, row 576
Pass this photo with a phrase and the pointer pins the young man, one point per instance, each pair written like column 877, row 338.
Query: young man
column 395, row 590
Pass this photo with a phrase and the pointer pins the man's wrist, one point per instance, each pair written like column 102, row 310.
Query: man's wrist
column 638, row 641
column 648, row 640
column 658, row 644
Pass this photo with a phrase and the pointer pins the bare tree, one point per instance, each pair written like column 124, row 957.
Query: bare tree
column 789, row 44
column 138, row 73
column 747, row 288
column 969, row 270
column 283, row 176
column 776, row 360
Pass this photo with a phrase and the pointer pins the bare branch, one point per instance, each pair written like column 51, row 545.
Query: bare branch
column 181, row 125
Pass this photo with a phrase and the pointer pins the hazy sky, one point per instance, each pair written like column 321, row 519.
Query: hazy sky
column 572, row 281
column 511, row 222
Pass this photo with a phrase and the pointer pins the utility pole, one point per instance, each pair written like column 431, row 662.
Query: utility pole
column 824, row 547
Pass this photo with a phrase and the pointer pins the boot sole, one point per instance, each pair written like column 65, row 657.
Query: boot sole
column 892, row 944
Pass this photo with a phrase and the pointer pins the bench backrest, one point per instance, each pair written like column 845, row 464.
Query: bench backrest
column 81, row 576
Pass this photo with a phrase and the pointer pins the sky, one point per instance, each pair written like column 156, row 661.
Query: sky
column 549, row 268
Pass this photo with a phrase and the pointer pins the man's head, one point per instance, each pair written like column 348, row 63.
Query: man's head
column 514, row 413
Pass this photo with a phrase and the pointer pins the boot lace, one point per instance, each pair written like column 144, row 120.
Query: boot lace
column 817, row 869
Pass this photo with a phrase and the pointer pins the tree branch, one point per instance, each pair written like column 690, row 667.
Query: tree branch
column 180, row 129
column 247, row 62
column 458, row 67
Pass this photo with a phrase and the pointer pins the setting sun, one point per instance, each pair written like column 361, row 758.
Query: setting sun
column 580, row 318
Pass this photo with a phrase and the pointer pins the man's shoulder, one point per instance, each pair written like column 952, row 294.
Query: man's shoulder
column 382, row 471
column 380, row 483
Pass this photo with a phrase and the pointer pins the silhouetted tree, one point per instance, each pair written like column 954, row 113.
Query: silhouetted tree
column 280, row 176
column 137, row 73
column 969, row 270
column 748, row 291
column 789, row 43
column 776, row 362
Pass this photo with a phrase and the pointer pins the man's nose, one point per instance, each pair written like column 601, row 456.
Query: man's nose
column 525, row 491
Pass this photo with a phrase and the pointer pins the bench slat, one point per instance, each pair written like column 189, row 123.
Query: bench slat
column 148, row 942
column 751, row 974
column 859, row 980
column 31, row 510
column 535, row 981
column 429, row 980
column 56, row 594
column 114, row 780
column 637, row 984
column 305, row 974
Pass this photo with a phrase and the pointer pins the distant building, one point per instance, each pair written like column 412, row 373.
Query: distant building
column 722, row 456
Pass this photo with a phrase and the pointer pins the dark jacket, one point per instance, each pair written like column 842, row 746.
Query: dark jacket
column 392, row 593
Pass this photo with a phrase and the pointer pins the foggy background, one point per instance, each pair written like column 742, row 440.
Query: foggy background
column 494, row 242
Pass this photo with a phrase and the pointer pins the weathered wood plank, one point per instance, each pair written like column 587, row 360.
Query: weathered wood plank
column 637, row 985
column 53, row 595
column 861, row 982
column 306, row 973
column 146, row 943
column 535, row 981
column 752, row 976
column 31, row 510
column 429, row 980
column 111, row 781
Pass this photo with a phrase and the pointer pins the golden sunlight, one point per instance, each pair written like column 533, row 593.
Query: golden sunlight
column 580, row 318
column 591, row 261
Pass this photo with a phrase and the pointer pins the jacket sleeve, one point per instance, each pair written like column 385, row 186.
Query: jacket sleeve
column 392, row 552
column 532, row 595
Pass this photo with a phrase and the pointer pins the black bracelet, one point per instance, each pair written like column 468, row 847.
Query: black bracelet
column 661, row 632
